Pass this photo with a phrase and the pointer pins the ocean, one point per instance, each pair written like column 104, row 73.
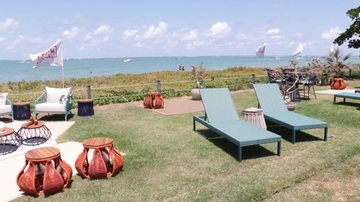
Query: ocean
column 15, row 70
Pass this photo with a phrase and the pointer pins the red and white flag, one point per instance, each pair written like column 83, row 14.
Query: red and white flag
column 53, row 56
column 260, row 50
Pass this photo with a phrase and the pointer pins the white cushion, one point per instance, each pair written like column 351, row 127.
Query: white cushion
column 5, row 109
column 56, row 95
column 50, row 107
column 3, row 99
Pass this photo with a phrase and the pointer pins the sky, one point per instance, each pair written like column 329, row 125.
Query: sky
column 149, row 28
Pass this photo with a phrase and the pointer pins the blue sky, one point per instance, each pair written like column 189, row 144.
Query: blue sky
column 109, row 28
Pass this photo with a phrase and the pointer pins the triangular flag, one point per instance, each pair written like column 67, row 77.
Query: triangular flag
column 53, row 56
column 260, row 50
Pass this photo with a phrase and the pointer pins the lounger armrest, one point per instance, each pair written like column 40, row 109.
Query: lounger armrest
column 69, row 101
column 41, row 99
column 8, row 102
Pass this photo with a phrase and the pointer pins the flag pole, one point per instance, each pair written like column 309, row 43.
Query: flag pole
column 63, row 82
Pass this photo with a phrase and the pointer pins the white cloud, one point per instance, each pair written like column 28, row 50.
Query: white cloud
column 331, row 34
column 156, row 31
column 191, row 35
column 8, row 24
column 20, row 40
column 103, row 30
column 129, row 33
column 71, row 33
column 273, row 31
column 2, row 39
column 220, row 29
column 98, row 36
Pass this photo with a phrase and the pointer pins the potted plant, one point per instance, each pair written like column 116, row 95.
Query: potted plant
column 198, row 74
column 335, row 64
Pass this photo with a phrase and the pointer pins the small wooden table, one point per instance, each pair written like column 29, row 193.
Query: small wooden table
column 106, row 161
column 21, row 110
column 254, row 116
column 9, row 141
column 85, row 107
column 153, row 100
column 44, row 172
column 34, row 133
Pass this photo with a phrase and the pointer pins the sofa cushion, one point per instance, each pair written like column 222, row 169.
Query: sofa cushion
column 56, row 95
column 3, row 99
column 5, row 109
column 50, row 107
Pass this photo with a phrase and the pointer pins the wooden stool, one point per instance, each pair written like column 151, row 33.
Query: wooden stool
column 106, row 161
column 21, row 111
column 9, row 141
column 46, row 173
column 34, row 133
column 254, row 116
column 85, row 107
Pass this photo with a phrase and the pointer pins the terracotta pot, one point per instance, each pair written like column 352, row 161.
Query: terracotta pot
column 195, row 94
column 338, row 84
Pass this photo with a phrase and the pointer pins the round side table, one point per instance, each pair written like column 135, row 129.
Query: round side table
column 44, row 172
column 34, row 133
column 106, row 161
column 9, row 141
column 21, row 110
column 85, row 107
column 254, row 116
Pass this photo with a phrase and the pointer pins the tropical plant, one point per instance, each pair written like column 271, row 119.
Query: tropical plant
column 336, row 63
column 353, row 32
column 332, row 66
column 198, row 74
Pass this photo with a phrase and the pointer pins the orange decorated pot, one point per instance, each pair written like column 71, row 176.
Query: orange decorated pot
column 338, row 84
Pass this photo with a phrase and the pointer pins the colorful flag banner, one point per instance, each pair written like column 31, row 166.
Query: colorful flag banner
column 260, row 50
column 51, row 57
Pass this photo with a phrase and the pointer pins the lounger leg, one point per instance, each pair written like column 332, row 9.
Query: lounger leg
column 334, row 99
column 293, row 136
column 194, row 125
column 240, row 154
column 326, row 134
column 279, row 148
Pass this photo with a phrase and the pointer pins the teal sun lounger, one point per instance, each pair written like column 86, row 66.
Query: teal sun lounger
column 345, row 95
column 275, row 110
column 222, row 118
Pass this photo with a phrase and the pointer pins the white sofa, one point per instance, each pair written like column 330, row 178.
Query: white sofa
column 6, row 105
column 54, row 101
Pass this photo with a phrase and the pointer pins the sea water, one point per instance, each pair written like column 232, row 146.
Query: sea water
column 14, row 70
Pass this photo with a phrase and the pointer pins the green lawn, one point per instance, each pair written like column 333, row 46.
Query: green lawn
column 167, row 161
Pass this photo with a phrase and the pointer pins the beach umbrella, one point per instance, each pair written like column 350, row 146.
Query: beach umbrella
column 53, row 56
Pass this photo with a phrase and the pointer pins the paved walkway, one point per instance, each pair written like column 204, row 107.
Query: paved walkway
column 333, row 92
column 181, row 105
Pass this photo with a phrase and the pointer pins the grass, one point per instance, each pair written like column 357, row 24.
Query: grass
column 167, row 161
